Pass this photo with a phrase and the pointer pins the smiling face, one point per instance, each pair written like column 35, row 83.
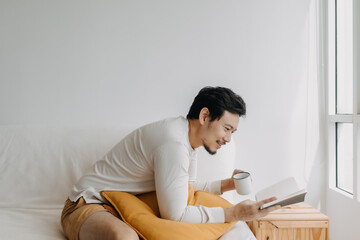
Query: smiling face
column 218, row 132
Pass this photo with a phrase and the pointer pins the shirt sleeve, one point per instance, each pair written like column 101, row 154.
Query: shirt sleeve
column 171, row 164
column 213, row 187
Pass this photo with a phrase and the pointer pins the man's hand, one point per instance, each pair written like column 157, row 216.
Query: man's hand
column 248, row 210
column 228, row 184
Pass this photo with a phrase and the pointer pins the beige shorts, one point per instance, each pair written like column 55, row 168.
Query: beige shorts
column 75, row 213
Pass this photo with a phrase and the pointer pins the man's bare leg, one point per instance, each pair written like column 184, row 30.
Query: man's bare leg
column 103, row 226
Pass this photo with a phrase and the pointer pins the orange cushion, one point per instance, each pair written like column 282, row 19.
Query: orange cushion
column 141, row 212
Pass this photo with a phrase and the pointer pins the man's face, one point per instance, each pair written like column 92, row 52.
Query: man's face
column 218, row 132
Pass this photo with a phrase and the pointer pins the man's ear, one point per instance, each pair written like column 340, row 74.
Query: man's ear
column 204, row 115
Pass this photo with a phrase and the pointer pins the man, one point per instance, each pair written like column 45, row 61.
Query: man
column 160, row 157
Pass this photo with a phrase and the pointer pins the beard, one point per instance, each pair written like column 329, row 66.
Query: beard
column 208, row 149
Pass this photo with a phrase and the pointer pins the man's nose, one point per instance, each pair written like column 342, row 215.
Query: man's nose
column 227, row 137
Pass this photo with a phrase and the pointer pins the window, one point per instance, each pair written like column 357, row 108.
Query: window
column 343, row 96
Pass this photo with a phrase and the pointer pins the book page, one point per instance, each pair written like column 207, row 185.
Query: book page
column 295, row 198
column 280, row 190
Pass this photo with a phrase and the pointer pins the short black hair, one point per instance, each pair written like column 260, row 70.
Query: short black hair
column 217, row 100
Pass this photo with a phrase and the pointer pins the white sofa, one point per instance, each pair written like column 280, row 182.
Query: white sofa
column 39, row 165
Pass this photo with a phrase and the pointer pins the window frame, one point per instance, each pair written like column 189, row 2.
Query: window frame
column 333, row 117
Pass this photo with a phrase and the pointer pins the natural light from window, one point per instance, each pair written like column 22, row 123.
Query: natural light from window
column 344, row 156
column 342, row 97
column 344, row 57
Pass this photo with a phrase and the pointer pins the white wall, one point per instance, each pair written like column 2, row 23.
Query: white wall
column 120, row 61
column 133, row 62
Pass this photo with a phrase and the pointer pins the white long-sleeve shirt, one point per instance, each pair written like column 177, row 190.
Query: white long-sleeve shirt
column 157, row 156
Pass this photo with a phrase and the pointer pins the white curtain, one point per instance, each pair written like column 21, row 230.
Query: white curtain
column 315, row 162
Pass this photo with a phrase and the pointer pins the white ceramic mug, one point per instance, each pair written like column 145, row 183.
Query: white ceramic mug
column 242, row 183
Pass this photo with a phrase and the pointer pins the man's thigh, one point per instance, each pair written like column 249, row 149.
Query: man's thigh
column 104, row 225
column 95, row 221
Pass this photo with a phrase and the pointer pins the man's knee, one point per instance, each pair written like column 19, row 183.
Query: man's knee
column 128, row 234
column 103, row 225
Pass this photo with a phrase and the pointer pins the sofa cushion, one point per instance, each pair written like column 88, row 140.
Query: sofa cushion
column 39, row 165
column 30, row 224
column 142, row 214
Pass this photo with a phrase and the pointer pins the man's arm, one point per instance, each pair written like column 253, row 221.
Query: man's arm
column 171, row 181
column 216, row 187
column 209, row 186
column 171, row 164
column 228, row 184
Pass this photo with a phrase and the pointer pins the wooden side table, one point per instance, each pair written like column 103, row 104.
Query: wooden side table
column 294, row 222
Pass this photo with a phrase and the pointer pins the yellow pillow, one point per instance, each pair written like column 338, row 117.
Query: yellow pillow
column 141, row 212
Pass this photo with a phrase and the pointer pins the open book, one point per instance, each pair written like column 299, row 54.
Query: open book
column 287, row 192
